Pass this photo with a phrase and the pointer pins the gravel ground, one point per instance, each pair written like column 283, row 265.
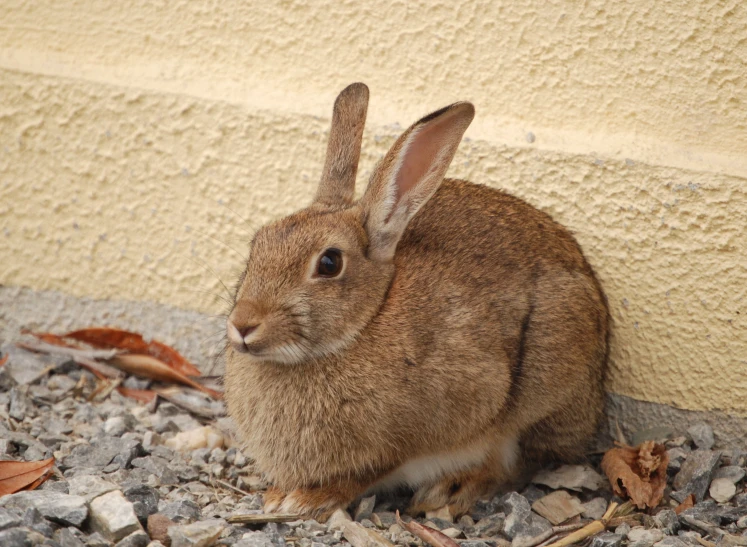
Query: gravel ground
column 125, row 477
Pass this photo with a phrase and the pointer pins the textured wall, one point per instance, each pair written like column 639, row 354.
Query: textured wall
column 133, row 141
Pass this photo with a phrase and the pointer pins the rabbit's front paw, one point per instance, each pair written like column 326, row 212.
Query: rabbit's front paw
column 318, row 503
column 273, row 497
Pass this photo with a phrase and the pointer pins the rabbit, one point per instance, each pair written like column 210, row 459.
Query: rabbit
column 434, row 334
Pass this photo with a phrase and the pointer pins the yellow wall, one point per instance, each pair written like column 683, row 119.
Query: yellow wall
column 134, row 137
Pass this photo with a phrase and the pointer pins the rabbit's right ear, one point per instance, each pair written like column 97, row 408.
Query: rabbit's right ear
column 337, row 186
column 409, row 175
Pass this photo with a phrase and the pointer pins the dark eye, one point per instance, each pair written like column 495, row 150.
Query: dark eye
column 330, row 263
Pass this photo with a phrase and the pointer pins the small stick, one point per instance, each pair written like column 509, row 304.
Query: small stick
column 705, row 542
column 43, row 347
column 588, row 530
column 263, row 518
column 101, row 368
column 230, row 486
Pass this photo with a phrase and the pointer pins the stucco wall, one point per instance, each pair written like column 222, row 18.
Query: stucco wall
column 139, row 146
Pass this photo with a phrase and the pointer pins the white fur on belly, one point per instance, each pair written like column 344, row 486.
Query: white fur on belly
column 430, row 468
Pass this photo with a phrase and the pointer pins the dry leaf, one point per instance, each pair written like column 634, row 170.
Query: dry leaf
column 133, row 342
column 427, row 534
column 16, row 476
column 150, row 367
column 687, row 503
column 4, row 360
column 638, row 473
column 141, row 395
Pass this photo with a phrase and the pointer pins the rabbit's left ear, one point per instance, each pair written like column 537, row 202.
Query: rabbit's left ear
column 410, row 174
column 337, row 186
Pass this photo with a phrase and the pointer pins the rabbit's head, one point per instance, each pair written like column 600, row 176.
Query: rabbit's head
column 316, row 278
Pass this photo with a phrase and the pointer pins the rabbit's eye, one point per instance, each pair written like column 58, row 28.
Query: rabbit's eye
column 330, row 263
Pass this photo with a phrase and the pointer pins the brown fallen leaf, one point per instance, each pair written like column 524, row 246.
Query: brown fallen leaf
column 687, row 503
column 638, row 473
column 427, row 534
column 49, row 338
column 16, row 476
column 102, row 337
column 4, row 360
column 146, row 366
column 141, row 395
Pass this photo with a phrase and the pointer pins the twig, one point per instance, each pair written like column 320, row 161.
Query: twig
column 101, row 368
column 704, row 526
column 588, row 530
column 262, row 518
column 103, row 391
column 704, row 542
column 230, row 486
column 43, row 347
column 202, row 411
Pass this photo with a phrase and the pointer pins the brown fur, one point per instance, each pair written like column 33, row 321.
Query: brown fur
column 463, row 317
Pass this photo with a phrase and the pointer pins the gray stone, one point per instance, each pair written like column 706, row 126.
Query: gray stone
column 20, row 537
column 25, row 367
column 607, row 539
column 670, row 541
column 490, row 526
column 483, row 508
column 115, row 426
column 19, row 405
column 742, row 523
column 667, row 521
column 9, row 518
column 102, row 451
column 144, row 500
column 732, row 472
column 722, row 490
column 97, row 540
column 623, row 530
column 474, row 543
column 572, row 477
column 198, row 534
column 558, row 506
column 66, row 538
column 640, row 537
column 113, row 516
column 254, row 539
column 677, row 457
column 159, row 467
column 61, row 508
column 56, row 426
column 595, row 508
column 33, row 519
column 181, row 511
column 520, row 520
column 90, row 486
column 696, row 472
column 702, row 435
column 365, row 508
column 135, row 539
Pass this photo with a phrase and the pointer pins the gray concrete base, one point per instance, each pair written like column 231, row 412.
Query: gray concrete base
column 633, row 415
column 200, row 338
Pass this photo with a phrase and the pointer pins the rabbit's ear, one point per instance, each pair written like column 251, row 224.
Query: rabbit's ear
column 337, row 186
column 410, row 174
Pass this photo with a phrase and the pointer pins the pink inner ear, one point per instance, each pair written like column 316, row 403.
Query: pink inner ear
column 421, row 154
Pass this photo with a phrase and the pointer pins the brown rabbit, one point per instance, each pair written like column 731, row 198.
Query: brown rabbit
column 435, row 333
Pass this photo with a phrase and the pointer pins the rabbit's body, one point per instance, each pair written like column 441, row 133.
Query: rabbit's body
column 478, row 345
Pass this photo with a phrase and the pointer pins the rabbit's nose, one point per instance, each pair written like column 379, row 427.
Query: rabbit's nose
column 237, row 335
column 246, row 331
